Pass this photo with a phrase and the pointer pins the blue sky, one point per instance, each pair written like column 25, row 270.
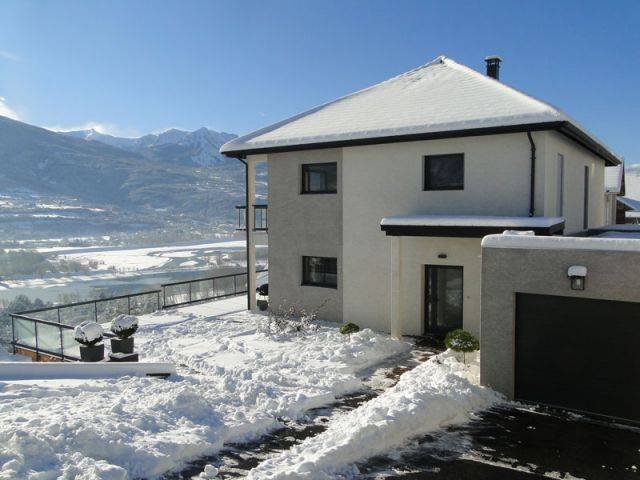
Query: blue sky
column 133, row 67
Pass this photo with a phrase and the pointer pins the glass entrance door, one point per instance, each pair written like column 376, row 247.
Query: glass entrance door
column 443, row 298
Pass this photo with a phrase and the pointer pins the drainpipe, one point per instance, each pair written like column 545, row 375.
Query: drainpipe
column 532, row 192
column 247, row 230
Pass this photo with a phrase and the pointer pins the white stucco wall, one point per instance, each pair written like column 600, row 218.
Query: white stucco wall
column 575, row 159
column 309, row 225
column 384, row 180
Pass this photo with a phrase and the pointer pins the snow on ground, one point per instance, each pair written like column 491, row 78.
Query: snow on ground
column 437, row 393
column 134, row 259
column 234, row 382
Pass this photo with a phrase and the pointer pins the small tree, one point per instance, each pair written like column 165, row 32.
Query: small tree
column 349, row 328
column 461, row 341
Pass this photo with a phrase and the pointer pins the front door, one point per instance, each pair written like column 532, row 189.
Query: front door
column 443, row 298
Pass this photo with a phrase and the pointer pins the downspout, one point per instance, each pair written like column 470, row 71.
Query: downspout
column 532, row 192
column 246, row 224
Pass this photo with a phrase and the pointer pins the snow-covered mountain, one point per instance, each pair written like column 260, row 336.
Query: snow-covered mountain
column 200, row 147
column 174, row 180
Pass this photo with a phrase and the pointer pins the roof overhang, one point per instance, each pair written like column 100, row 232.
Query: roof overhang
column 564, row 127
column 467, row 227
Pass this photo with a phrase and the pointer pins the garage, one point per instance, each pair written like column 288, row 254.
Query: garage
column 578, row 353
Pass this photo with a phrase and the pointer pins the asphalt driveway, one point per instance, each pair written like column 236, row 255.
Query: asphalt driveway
column 511, row 442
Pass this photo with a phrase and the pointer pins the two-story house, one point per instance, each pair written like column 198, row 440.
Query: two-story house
column 378, row 201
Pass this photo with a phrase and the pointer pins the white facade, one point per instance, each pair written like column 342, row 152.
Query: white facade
column 377, row 181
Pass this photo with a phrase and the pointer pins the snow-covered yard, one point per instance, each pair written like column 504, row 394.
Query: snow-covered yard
column 234, row 382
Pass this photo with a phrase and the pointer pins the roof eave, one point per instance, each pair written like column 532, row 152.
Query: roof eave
column 563, row 126
column 464, row 231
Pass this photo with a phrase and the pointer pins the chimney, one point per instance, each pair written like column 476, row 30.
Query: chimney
column 493, row 66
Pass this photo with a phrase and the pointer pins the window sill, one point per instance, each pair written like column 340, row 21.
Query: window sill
column 332, row 287
column 442, row 189
column 328, row 192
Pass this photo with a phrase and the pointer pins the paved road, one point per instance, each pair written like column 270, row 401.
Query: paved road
column 509, row 443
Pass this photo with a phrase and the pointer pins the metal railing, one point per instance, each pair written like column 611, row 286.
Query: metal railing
column 260, row 217
column 176, row 294
column 49, row 330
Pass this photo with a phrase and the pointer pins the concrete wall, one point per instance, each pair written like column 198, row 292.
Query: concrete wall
column 612, row 275
column 417, row 252
column 385, row 180
column 303, row 225
column 576, row 158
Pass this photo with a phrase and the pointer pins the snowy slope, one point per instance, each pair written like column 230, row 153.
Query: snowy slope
column 233, row 383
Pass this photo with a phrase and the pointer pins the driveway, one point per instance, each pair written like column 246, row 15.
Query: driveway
column 511, row 442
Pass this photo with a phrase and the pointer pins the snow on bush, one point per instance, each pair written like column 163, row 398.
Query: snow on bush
column 461, row 341
column 437, row 393
column 88, row 333
column 234, row 383
column 124, row 326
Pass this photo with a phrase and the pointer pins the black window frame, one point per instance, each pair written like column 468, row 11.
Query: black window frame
column 304, row 187
column 308, row 283
column 426, row 170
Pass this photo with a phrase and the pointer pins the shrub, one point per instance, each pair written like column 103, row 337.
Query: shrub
column 461, row 341
column 123, row 326
column 88, row 333
column 349, row 328
column 291, row 319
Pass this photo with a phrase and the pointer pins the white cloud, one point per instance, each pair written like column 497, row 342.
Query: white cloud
column 98, row 127
column 9, row 56
column 7, row 111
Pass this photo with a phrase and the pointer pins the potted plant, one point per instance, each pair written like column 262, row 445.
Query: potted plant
column 263, row 291
column 123, row 326
column 89, row 336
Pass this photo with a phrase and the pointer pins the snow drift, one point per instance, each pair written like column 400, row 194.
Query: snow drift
column 437, row 393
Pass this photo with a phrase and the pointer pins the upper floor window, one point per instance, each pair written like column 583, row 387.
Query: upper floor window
column 320, row 177
column 320, row 271
column 444, row 172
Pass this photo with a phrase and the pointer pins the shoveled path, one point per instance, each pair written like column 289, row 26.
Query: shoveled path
column 235, row 460
column 512, row 442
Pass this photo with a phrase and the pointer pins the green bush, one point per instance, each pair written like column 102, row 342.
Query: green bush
column 461, row 341
column 349, row 328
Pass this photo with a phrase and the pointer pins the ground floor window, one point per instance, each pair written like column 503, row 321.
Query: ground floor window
column 320, row 271
column 443, row 298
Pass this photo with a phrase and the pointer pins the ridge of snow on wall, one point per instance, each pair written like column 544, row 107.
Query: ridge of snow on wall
column 561, row 243
column 442, row 95
column 233, row 383
column 470, row 221
column 437, row 393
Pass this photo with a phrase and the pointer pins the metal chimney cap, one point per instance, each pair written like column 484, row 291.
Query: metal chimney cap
column 492, row 58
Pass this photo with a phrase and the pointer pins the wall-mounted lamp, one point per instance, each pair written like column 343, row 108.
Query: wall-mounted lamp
column 442, row 255
column 578, row 276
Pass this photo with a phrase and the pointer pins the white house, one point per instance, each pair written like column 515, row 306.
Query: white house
column 378, row 200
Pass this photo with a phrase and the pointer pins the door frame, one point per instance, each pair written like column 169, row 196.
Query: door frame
column 427, row 318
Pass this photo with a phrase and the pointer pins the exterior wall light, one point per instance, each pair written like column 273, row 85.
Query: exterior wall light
column 578, row 276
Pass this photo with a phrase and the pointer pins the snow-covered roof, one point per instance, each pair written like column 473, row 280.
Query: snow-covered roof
column 561, row 243
column 440, row 97
column 470, row 221
column 613, row 179
column 629, row 202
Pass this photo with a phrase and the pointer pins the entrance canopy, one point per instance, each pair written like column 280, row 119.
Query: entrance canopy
column 467, row 226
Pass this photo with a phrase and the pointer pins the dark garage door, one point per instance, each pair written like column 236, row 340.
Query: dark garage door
column 580, row 354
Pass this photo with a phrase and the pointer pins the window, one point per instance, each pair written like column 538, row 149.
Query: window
column 320, row 271
column 560, row 190
column 444, row 172
column 320, row 178
column 585, row 219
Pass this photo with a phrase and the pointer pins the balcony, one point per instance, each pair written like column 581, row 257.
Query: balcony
column 260, row 218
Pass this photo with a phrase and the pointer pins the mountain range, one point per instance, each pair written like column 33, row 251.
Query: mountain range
column 171, row 179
